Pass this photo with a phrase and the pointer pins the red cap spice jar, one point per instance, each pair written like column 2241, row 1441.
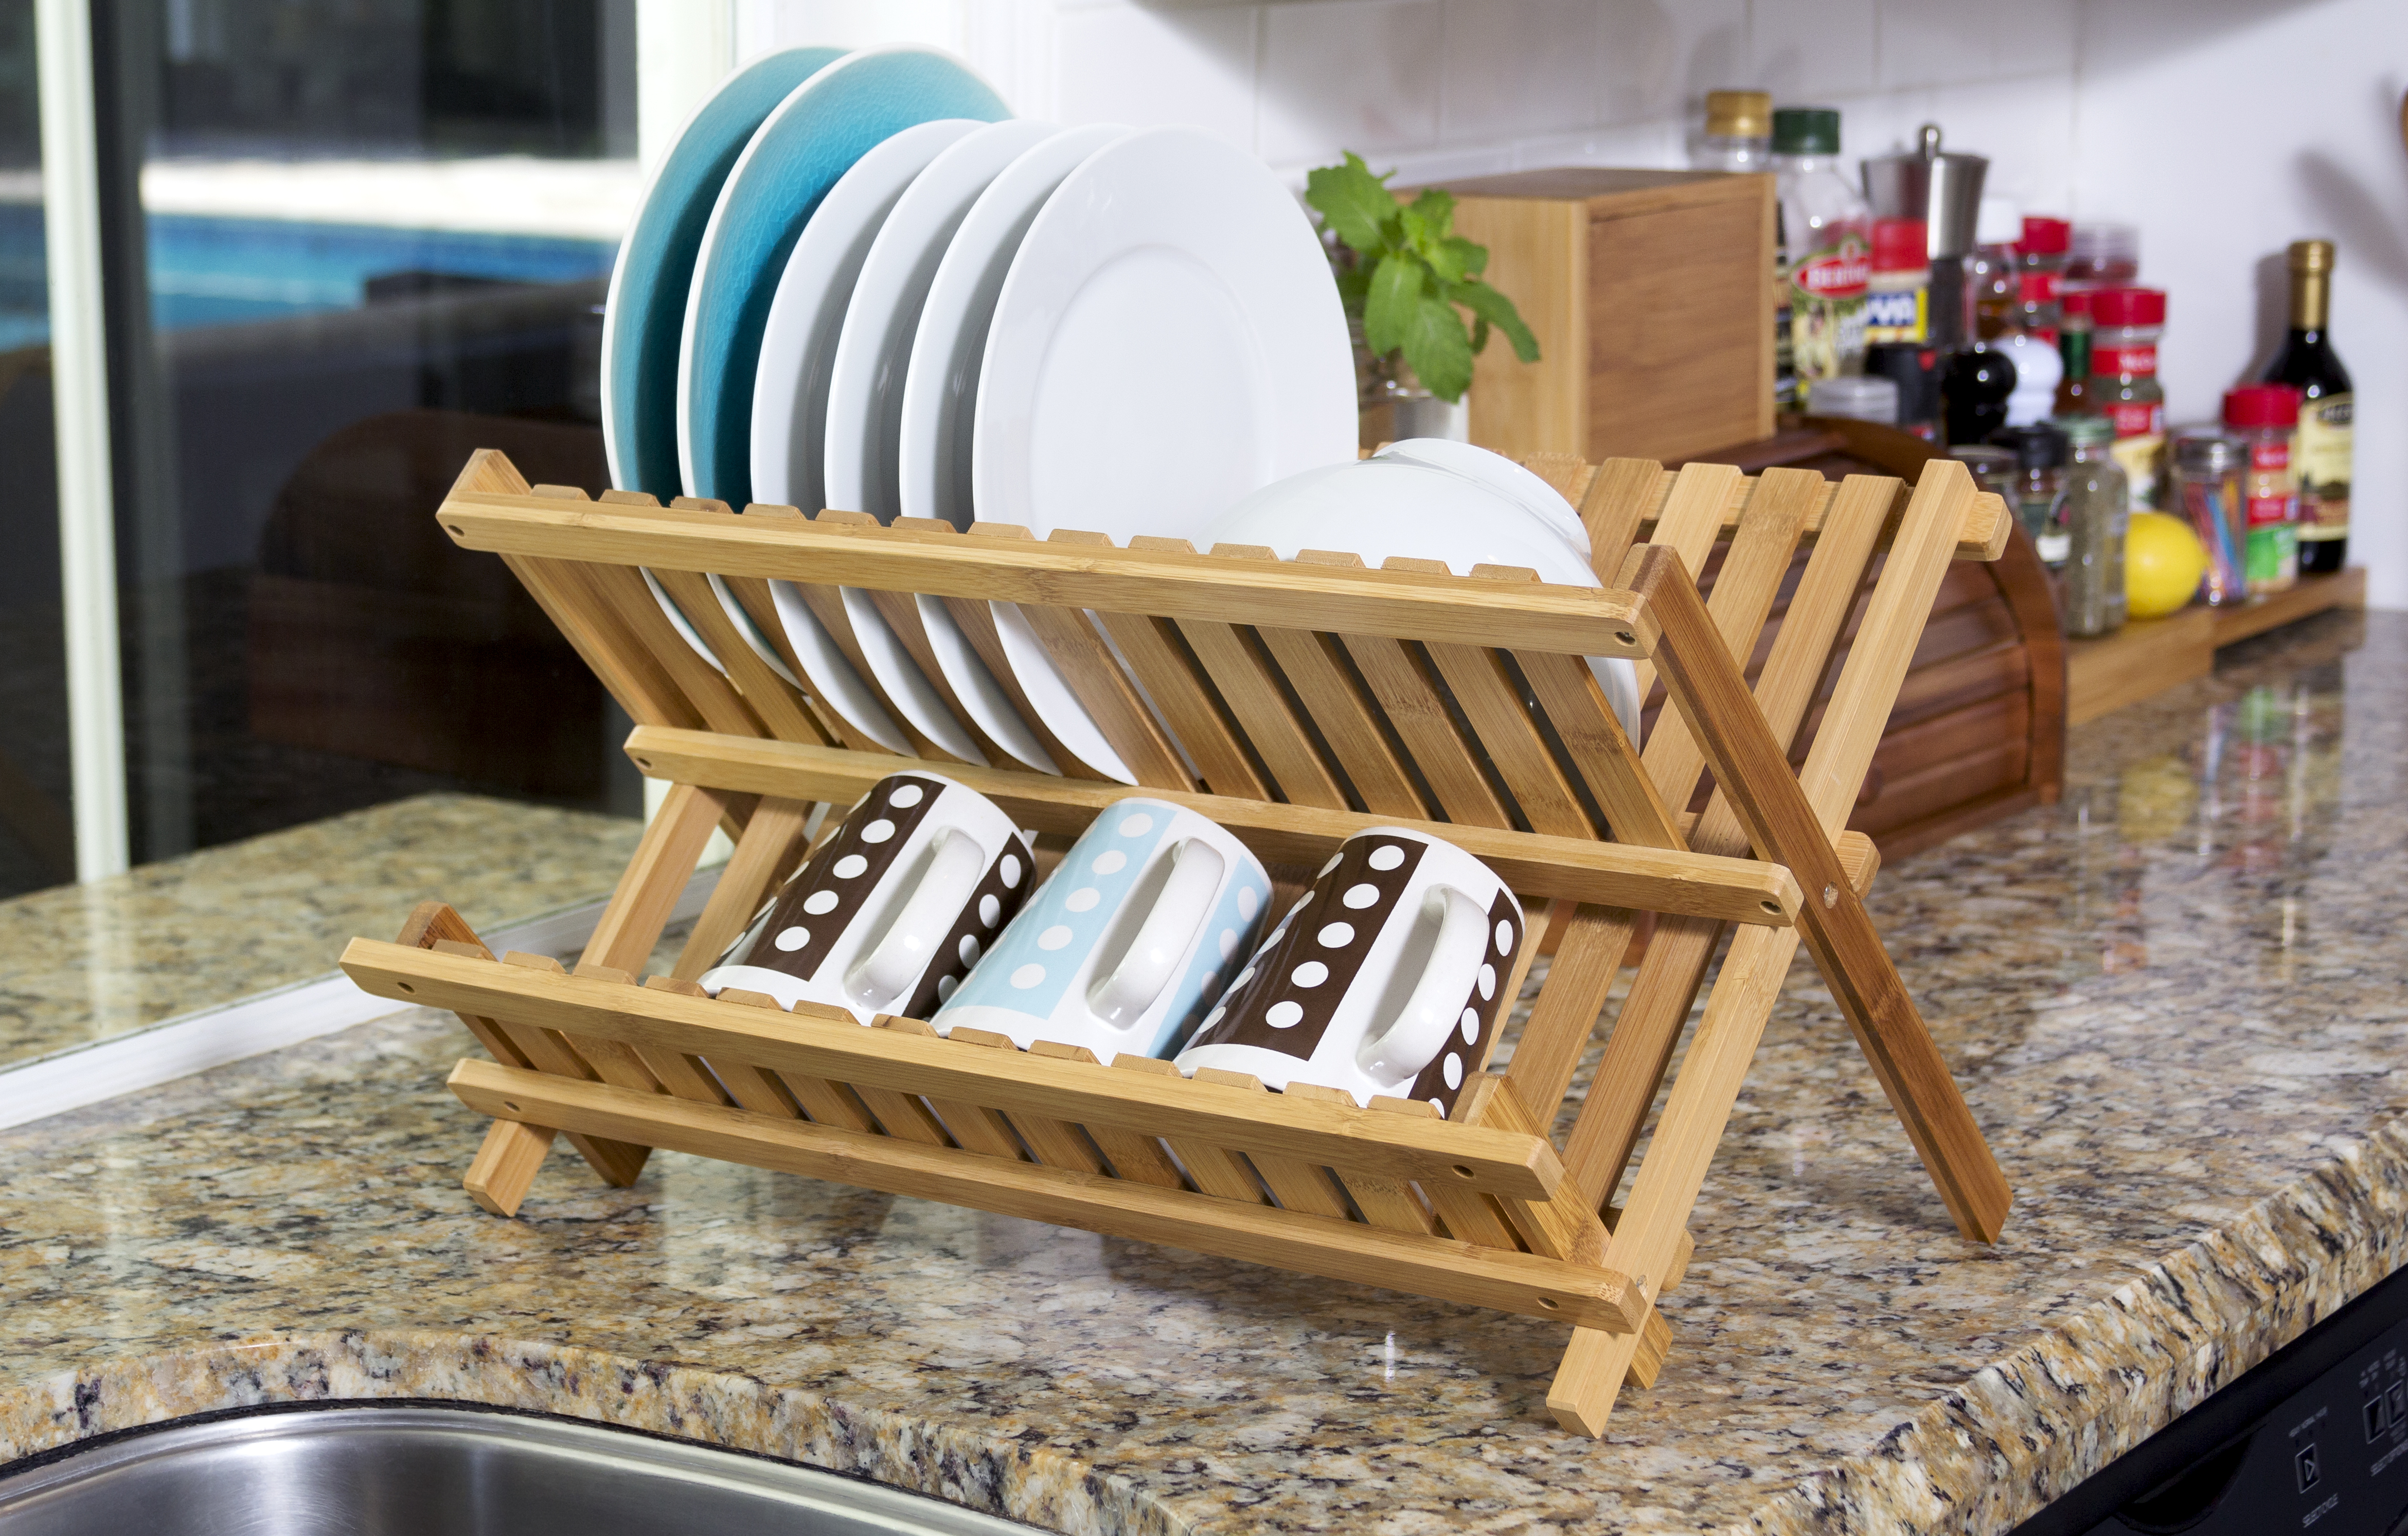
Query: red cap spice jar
column 1897, row 291
column 2039, row 260
column 2265, row 419
column 2125, row 325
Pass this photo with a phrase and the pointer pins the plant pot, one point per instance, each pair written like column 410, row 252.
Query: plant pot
column 1393, row 405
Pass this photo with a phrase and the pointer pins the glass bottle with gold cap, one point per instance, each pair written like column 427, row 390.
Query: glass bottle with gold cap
column 1739, row 133
column 2321, row 455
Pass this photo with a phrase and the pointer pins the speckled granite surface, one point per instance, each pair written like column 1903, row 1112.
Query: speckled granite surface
column 2177, row 1002
column 82, row 963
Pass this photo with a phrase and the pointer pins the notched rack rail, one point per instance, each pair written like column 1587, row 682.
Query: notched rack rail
column 1296, row 702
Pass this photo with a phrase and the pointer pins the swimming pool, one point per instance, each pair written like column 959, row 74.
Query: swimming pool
column 207, row 270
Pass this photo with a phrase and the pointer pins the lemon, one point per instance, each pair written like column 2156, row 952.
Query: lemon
column 2162, row 565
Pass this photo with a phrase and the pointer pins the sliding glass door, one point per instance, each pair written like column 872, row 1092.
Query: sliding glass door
column 36, row 824
column 348, row 242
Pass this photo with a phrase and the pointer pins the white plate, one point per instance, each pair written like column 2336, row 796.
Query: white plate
column 864, row 396
column 1498, row 473
column 873, row 351
column 1168, row 339
column 940, row 388
column 1389, row 506
column 940, row 385
column 831, row 672
column 789, row 386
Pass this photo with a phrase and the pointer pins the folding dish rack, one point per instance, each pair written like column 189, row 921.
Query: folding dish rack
column 1314, row 697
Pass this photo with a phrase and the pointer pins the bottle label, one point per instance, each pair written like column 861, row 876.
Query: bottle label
column 1898, row 316
column 1838, row 270
column 2110, row 362
column 2036, row 287
column 2136, row 418
column 2139, row 456
column 2324, row 450
column 1827, row 306
column 2271, row 556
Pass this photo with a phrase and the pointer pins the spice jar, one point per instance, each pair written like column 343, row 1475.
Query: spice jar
column 1992, row 270
column 2101, row 256
column 2208, row 486
column 2097, row 512
column 2266, row 420
column 2039, row 498
column 2126, row 323
column 1897, row 294
column 2040, row 254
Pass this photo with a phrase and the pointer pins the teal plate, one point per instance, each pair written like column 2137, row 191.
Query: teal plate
column 645, row 318
column 813, row 137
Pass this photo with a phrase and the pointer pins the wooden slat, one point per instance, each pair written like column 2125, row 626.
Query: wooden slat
column 1297, row 1185
column 616, row 1062
column 825, row 602
column 649, row 887
column 1588, row 957
column 1329, row 1135
column 973, row 1127
column 1758, row 557
column 506, row 1164
column 1214, row 1169
column 1407, row 693
column 765, row 855
column 778, row 705
column 977, row 622
column 1491, row 702
column 621, row 591
column 1623, row 496
column 1055, row 1144
column 1526, row 1284
column 1794, row 820
column 901, row 612
column 1249, row 683
column 1194, row 712
column 1578, row 866
column 1054, row 573
column 1690, row 520
column 1134, row 1155
column 782, row 1094
column 1639, row 1048
column 1349, row 720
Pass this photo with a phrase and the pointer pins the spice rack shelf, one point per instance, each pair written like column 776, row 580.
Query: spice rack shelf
column 1312, row 699
column 2148, row 656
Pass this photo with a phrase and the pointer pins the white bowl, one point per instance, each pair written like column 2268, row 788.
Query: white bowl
column 1390, row 505
column 1499, row 474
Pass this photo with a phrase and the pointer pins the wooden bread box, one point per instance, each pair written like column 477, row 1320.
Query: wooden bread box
column 1650, row 294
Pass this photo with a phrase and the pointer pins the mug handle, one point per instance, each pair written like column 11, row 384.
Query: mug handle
column 1170, row 929
column 1420, row 1028
column 912, row 940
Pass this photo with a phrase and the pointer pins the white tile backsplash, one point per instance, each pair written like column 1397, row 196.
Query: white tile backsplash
column 1360, row 75
column 1922, row 43
column 1145, row 67
column 1510, row 67
column 1807, row 52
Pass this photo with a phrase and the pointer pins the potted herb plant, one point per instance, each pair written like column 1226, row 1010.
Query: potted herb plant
column 1409, row 282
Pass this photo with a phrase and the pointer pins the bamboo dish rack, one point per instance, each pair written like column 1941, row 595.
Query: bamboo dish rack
column 1314, row 698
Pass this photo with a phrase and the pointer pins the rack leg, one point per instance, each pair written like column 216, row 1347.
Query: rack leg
column 506, row 1164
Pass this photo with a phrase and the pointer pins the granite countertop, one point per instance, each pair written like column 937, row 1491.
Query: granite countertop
column 86, row 963
column 2176, row 1002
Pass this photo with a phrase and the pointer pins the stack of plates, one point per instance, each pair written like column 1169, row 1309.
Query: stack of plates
column 856, row 283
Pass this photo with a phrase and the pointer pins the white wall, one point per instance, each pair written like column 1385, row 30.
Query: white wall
column 2224, row 128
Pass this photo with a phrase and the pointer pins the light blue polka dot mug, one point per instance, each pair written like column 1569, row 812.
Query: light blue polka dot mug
column 1127, row 943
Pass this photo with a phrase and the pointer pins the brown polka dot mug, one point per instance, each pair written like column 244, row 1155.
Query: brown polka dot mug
column 888, row 914
column 1388, row 976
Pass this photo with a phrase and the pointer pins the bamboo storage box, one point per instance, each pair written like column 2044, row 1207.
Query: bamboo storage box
column 1314, row 698
column 1650, row 294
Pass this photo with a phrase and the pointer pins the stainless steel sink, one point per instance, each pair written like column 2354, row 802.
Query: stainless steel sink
column 434, row 1472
